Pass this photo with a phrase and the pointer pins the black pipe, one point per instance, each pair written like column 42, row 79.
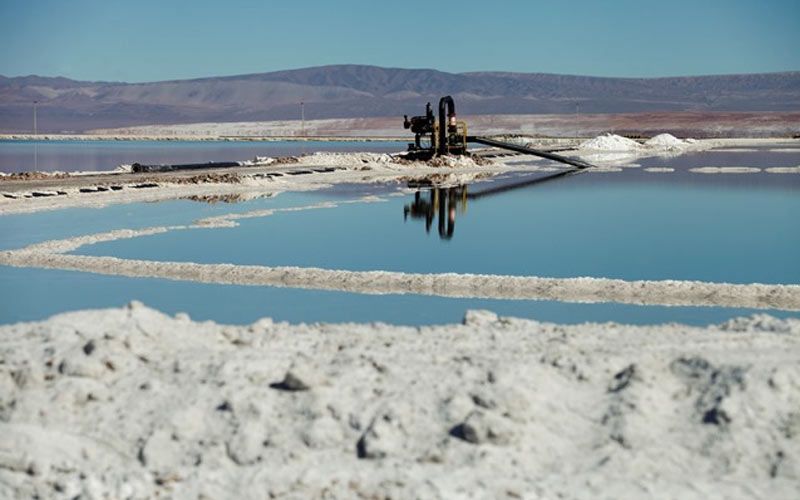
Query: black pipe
column 529, row 151
column 136, row 167
column 442, row 211
column 447, row 207
column 524, row 183
column 443, row 120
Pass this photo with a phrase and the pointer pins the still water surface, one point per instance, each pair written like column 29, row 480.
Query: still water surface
column 558, row 229
column 70, row 156
column 739, row 229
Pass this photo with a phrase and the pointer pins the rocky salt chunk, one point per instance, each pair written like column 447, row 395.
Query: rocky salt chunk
column 385, row 436
column 302, row 375
column 481, row 427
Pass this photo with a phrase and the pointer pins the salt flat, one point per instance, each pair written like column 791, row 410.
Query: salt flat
column 132, row 403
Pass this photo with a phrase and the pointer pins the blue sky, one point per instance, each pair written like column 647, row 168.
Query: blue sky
column 144, row 40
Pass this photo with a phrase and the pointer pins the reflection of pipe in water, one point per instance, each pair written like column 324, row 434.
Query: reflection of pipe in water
column 446, row 202
column 442, row 202
column 521, row 184
column 446, row 230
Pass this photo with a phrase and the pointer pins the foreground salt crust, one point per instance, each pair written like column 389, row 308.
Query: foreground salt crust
column 131, row 403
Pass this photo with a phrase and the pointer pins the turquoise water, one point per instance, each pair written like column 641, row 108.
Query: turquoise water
column 22, row 156
column 635, row 225
column 562, row 229
column 33, row 294
column 20, row 230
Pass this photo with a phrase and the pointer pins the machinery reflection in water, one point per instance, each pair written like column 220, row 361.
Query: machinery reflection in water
column 444, row 201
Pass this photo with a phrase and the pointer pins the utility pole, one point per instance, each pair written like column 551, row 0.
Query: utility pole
column 302, row 118
column 35, row 126
column 577, row 107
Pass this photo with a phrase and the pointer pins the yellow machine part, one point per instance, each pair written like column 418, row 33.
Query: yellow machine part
column 460, row 141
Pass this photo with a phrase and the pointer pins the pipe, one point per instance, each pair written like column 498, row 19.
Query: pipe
column 529, row 151
column 137, row 167
column 443, row 121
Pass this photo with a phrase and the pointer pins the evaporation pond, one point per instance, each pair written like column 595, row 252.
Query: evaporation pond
column 556, row 229
column 23, row 156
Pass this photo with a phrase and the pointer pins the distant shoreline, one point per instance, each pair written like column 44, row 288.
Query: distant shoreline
column 696, row 124
column 194, row 138
column 732, row 140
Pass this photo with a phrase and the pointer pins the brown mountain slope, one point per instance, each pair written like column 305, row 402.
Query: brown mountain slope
column 358, row 91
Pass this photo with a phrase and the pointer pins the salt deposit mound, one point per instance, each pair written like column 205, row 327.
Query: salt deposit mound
column 131, row 403
column 610, row 142
column 666, row 141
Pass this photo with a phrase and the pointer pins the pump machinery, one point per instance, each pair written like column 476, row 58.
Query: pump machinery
column 448, row 136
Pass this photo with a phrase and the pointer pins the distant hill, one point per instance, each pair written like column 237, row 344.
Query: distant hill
column 347, row 91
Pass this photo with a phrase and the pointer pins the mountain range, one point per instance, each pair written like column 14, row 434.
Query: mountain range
column 349, row 91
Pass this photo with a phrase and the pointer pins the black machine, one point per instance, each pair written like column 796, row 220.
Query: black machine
column 444, row 137
column 448, row 136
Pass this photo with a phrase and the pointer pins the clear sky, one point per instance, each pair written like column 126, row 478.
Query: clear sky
column 146, row 40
